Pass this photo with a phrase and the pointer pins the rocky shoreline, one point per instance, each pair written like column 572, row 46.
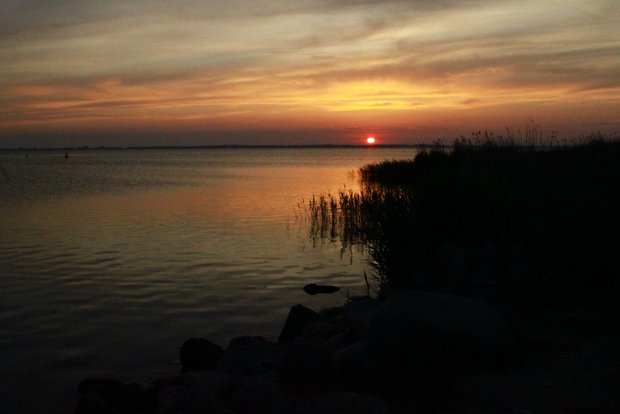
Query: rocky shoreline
column 409, row 352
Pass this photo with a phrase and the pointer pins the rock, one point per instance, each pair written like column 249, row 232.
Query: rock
column 351, row 367
column 124, row 398
column 199, row 353
column 261, row 394
column 175, row 399
column 93, row 404
column 137, row 400
column 349, row 403
column 358, row 313
column 298, row 318
column 435, row 332
column 330, row 313
column 319, row 332
column 313, row 289
column 250, row 355
column 207, row 388
column 305, row 368
column 340, row 341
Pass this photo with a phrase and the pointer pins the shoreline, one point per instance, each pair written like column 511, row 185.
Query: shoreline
column 322, row 362
column 333, row 361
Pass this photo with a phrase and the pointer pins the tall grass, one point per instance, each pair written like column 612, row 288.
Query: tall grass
column 363, row 219
column 554, row 208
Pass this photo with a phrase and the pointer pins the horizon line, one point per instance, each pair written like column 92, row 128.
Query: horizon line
column 214, row 146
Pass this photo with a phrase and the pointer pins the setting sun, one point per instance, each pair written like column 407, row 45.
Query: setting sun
column 370, row 140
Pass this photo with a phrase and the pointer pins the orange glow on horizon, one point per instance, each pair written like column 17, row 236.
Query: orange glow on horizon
column 162, row 83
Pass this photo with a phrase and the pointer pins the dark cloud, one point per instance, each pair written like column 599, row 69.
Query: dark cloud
column 28, row 17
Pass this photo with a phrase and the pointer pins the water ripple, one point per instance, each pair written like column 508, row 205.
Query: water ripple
column 110, row 260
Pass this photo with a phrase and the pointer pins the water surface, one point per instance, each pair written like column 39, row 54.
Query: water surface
column 110, row 259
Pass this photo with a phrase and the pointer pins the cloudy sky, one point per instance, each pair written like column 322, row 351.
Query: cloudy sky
column 91, row 72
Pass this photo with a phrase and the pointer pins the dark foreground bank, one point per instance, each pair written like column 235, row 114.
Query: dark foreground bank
column 400, row 355
column 416, row 352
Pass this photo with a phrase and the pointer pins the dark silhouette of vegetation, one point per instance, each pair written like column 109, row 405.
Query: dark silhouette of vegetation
column 549, row 211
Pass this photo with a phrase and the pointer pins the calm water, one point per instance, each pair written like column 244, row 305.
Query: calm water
column 111, row 259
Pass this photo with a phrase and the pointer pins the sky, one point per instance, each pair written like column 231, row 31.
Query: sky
column 189, row 72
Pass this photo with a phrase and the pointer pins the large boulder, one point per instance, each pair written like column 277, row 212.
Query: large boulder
column 175, row 399
column 305, row 368
column 207, row 388
column 352, row 367
column 342, row 340
column 320, row 332
column 434, row 333
column 197, row 353
column 298, row 318
column 250, row 355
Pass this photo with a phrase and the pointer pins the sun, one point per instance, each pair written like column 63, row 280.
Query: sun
column 370, row 140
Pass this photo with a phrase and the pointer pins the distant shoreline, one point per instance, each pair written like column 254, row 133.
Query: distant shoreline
column 226, row 146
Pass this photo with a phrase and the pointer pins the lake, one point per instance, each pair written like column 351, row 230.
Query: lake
column 111, row 259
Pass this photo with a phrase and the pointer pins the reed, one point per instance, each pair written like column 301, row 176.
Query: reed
column 553, row 207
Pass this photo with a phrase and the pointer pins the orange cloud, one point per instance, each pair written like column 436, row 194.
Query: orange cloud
column 412, row 66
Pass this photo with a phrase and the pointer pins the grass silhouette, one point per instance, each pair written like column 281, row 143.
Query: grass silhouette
column 549, row 211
